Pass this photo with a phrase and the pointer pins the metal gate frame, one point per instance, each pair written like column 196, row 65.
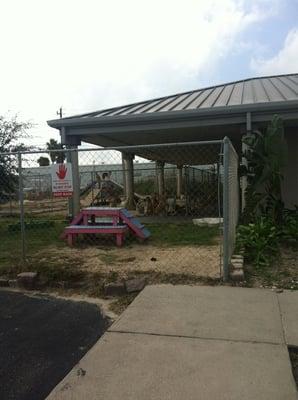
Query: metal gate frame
column 230, row 204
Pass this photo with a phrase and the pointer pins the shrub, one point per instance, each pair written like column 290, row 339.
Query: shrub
column 289, row 229
column 259, row 241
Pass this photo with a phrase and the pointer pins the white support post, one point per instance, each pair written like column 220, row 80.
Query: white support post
column 160, row 177
column 179, row 181
column 124, row 175
column 74, row 202
column 127, row 160
column 226, row 215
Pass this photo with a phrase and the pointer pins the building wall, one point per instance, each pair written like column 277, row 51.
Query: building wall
column 290, row 183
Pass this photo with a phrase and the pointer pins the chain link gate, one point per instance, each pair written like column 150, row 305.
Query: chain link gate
column 179, row 192
column 231, row 204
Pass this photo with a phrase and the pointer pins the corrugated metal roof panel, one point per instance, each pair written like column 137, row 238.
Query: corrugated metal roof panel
column 249, row 91
column 211, row 99
column 260, row 94
column 178, row 101
column 224, row 97
column 198, row 100
column 272, row 92
column 185, row 104
column 236, row 96
column 163, row 103
column 135, row 108
column 293, row 78
column 248, row 94
column 291, row 84
column 147, row 107
column 288, row 93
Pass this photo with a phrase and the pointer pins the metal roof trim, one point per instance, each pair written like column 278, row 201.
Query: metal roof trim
column 259, row 108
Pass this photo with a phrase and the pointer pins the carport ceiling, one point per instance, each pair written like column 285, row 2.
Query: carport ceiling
column 192, row 154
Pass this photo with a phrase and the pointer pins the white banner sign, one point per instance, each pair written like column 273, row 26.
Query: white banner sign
column 62, row 180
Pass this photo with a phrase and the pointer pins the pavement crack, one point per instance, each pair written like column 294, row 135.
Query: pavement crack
column 196, row 337
column 281, row 319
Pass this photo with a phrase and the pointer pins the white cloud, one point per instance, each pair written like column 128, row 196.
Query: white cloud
column 96, row 53
column 285, row 61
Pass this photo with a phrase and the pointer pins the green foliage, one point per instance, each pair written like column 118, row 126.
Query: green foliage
column 289, row 229
column 259, row 240
column 31, row 225
column 268, row 224
column 11, row 132
column 267, row 157
column 145, row 186
column 57, row 157
column 43, row 161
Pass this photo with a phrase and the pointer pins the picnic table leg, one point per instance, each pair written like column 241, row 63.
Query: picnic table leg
column 119, row 239
column 69, row 239
column 85, row 220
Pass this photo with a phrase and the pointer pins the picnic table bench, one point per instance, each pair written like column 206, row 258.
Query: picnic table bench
column 113, row 220
column 73, row 231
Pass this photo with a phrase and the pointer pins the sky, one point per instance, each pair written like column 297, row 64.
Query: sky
column 94, row 54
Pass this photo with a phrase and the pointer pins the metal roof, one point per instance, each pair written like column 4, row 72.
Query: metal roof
column 253, row 91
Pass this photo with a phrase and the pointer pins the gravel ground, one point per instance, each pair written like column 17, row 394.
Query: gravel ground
column 190, row 260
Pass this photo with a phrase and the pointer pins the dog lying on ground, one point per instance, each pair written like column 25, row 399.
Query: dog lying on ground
column 157, row 205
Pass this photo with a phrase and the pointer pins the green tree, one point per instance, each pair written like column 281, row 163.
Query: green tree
column 12, row 131
column 43, row 161
column 55, row 156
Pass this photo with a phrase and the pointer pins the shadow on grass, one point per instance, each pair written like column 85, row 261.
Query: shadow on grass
column 182, row 234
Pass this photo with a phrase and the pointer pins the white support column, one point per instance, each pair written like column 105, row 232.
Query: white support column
column 127, row 160
column 160, row 177
column 72, row 157
column 74, row 201
column 179, row 181
column 124, row 176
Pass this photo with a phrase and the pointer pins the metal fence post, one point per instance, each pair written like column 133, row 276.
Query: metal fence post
column 21, row 201
column 70, row 199
column 226, row 216
column 76, row 181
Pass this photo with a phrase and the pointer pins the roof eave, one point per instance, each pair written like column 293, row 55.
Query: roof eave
column 165, row 116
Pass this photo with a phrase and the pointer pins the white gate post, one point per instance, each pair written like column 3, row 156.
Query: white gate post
column 226, row 216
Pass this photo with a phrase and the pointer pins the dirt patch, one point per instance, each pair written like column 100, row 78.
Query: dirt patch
column 119, row 305
column 282, row 274
column 189, row 260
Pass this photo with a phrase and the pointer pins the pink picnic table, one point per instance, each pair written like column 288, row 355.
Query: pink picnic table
column 120, row 221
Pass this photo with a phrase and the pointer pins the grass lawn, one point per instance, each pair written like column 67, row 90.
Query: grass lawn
column 182, row 234
column 41, row 232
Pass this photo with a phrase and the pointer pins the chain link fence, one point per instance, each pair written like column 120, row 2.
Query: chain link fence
column 231, row 203
column 175, row 193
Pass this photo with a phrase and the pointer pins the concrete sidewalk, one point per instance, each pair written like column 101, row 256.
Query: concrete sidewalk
column 190, row 343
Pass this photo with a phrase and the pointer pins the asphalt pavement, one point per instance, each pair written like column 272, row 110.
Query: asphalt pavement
column 41, row 339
